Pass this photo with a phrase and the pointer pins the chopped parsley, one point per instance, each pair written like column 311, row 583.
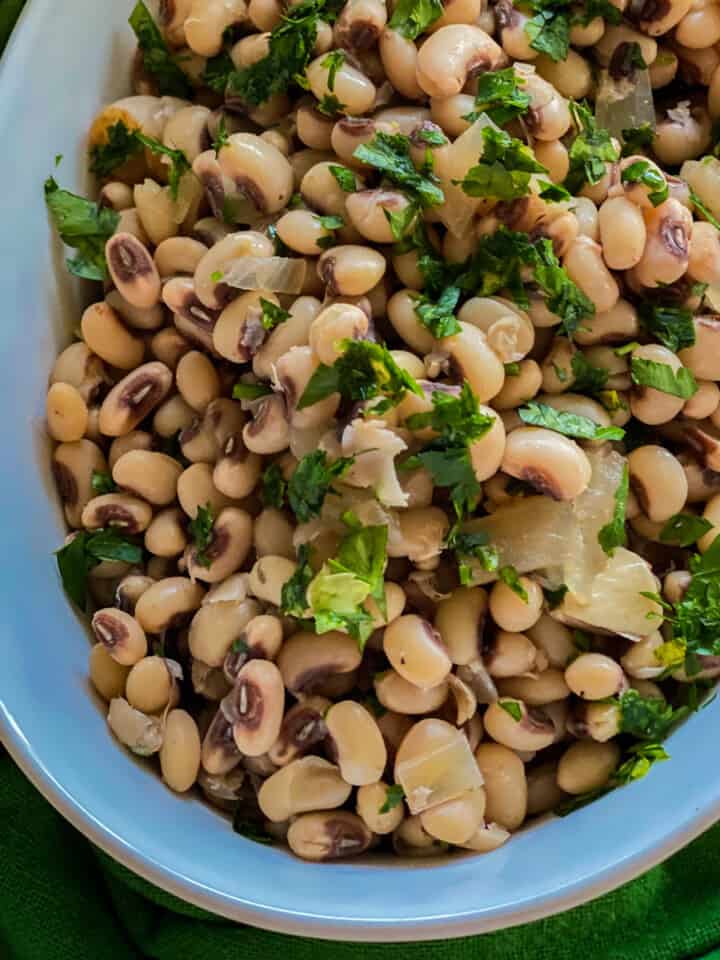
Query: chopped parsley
column 102, row 483
column 591, row 149
column 512, row 708
column 613, row 534
column 458, row 423
column 330, row 106
column 549, row 30
column 430, row 135
column 364, row 371
column 637, row 763
column 394, row 796
column 222, row 137
column 703, row 210
column 587, row 377
column 331, row 224
column 474, row 546
column 179, row 163
column 642, row 171
column 512, row 369
column 511, row 578
column 439, row 316
column 273, row 487
column 554, row 192
column 555, row 595
column 390, row 154
column 250, row 391
column 500, row 97
column 217, row 71
column 504, row 168
column 345, row 178
column 157, row 59
column 86, row 550
column 272, row 314
column 201, row 532
column 570, row 424
column 294, row 601
column 647, row 718
column 401, row 221
column 311, row 482
column 661, row 376
column 673, row 327
column 684, row 529
column 412, row 17
column 636, row 139
column 120, row 146
column 332, row 63
column 83, row 226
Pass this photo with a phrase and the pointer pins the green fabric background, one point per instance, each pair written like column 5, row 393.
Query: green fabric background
column 61, row 899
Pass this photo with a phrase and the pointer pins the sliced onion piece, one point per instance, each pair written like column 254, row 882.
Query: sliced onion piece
column 615, row 604
column 452, row 164
column 703, row 176
column 279, row 274
column 624, row 103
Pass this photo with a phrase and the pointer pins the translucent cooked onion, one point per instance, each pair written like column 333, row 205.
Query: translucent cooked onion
column 624, row 103
column 703, row 176
column 615, row 604
column 279, row 274
column 452, row 164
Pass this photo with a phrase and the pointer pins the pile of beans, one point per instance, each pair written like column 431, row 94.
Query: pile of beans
column 304, row 735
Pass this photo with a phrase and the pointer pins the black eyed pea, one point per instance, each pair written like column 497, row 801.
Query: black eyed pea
column 197, row 380
column 273, row 534
column 550, row 462
column 585, row 266
column 455, row 821
column 67, row 413
column 509, row 330
column 450, row 113
column 168, row 345
column 702, row 358
column 510, row 655
column 210, row 290
column 303, row 785
column 537, row 690
column 460, row 620
column 133, row 398
column 180, row 751
column 151, row 684
column 587, row 765
column 647, row 404
column 622, row 233
column 178, row 255
column 517, row 726
column 196, row 489
column 121, row 635
column 314, row 129
column 107, row 336
column 133, row 270
column 238, row 331
column 337, row 322
column 294, row 370
column 664, row 67
column 168, row 603
column 433, row 764
column 581, row 405
column 172, row 416
column 236, row 472
column 218, row 754
column 486, row 454
column 228, row 548
column 554, row 640
column 394, row 605
column 586, row 215
column 194, row 322
column 421, row 535
column 399, row 59
column 520, row 388
column 549, row 115
column 571, row 76
column 352, row 88
column 553, row 155
column 234, row 588
column 634, row 190
column 465, row 703
column 447, row 57
column 187, row 130
column 294, row 332
column 321, row 191
column 658, row 481
column 543, row 793
column 618, row 325
column 157, row 211
column 475, row 360
column 140, row 733
column 106, row 674
column 301, row 230
column 268, row 576
column 666, row 255
column 347, row 135
column 306, row 661
column 129, row 591
column 410, row 839
column 166, row 535
column 510, row 23
column 397, row 694
column 118, row 510
column 615, row 35
column 131, row 225
column 401, row 313
column 149, row 475
column 356, row 742
column 81, row 368
column 116, row 195
column 675, row 585
column 416, row 651
column 487, row 838
column 331, row 835
column 594, row 676
column 256, row 707
column 350, row 270
column 683, row 134
column 369, row 800
column 216, row 626
column 303, row 728
column 360, row 24
column 505, row 785
column 368, row 210
column 207, row 21
column 704, row 253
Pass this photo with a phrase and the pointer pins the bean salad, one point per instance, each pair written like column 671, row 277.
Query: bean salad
column 389, row 444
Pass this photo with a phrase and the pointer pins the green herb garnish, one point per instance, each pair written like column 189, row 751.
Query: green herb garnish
column 85, row 551
column 157, row 59
column 613, row 534
column 311, row 482
column 569, row 424
column 661, row 376
column 201, row 533
column 83, row 226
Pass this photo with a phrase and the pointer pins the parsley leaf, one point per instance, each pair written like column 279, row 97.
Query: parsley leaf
column 330, row 106
column 703, row 210
column 684, row 529
column 250, row 391
column 588, row 378
column 294, row 601
column 563, row 297
column 439, row 317
column 458, row 422
column 644, row 717
column 120, row 146
column 222, row 138
column 555, row 596
column 217, row 71
column 332, row 63
column 642, row 171
column 157, row 59
column 85, row 227
column 412, row 17
column 672, row 326
column 345, row 178
column 511, row 707
column 86, row 550
column 499, row 97
column 613, row 534
column 554, row 192
column 570, row 424
column 179, row 163
column 661, row 376
column 364, row 370
column 272, row 314
column 511, row 578
column 591, row 149
column 390, row 153
column 430, row 135
column 312, row 480
column 273, row 487
column 504, row 168
column 331, row 224
column 635, row 139
column 476, row 546
column 401, row 221
column 549, row 31
column 591, row 9
column 394, row 795
column 102, row 483
column 201, row 532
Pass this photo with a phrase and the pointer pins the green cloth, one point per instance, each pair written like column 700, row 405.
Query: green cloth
column 61, row 899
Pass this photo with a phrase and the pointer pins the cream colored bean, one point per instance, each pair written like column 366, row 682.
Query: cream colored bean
column 121, row 635
column 180, row 752
column 543, row 792
column 553, row 639
column 683, row 134
column 171, row 417
column 593, row 676
column 586, row 215
column 401, row 313
column 168, row 602
column 399, row 59
column 505, row 785
column 156, row 210
column 553, row 464
column 206, row 22
column 510, row 654
column 614, row 36
column 571, row 77
column 701, row 359
column 648, row 404
column 338, row 322
column 511, row 24
column 328, row 836
column 196, row 489
column 67, row 413
column 587, row 765
column 460, row 620
column 106, row 674
column 447, row 56
column 168, row 345
column 704, row 403
column 82, row 369
column 294, row 332
column 306, row 660
column 456, row 821
column 273, row 534
column 585, row 266
column 711, row 513
column 352, row 88
column 197, row 380
column 133, row 270
column 399, row 695
column 211, row 292
column 532, row 731
column 149, row 685
column 622, row 234
column 118, row 196
column 107, row 336
column 152, row 476
column 166, row 537
column 666, row 255
column 357, row 741
column 301, row 230
column 617, row 325
column 553, row 155
column 370, row 799
column 542, row 688
column 433, row 764
column 216, row 626
column 133, row 398
column 321, row 191
column 422, row 532
column 658, row 481
column 368, row 211
column 255, row 707
column 227, row 550
column 700, row 27
column 118, row 510
column 178, row 255
column 350, row 270
column 510, row 611
column 410, row 839
column 704, row 253
column 519, row 388
column 476, row 361
column 135, row 730
column 313, row 129
column 303, row 785
column 268, row 576
column 549, row 115
column 416, row 651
